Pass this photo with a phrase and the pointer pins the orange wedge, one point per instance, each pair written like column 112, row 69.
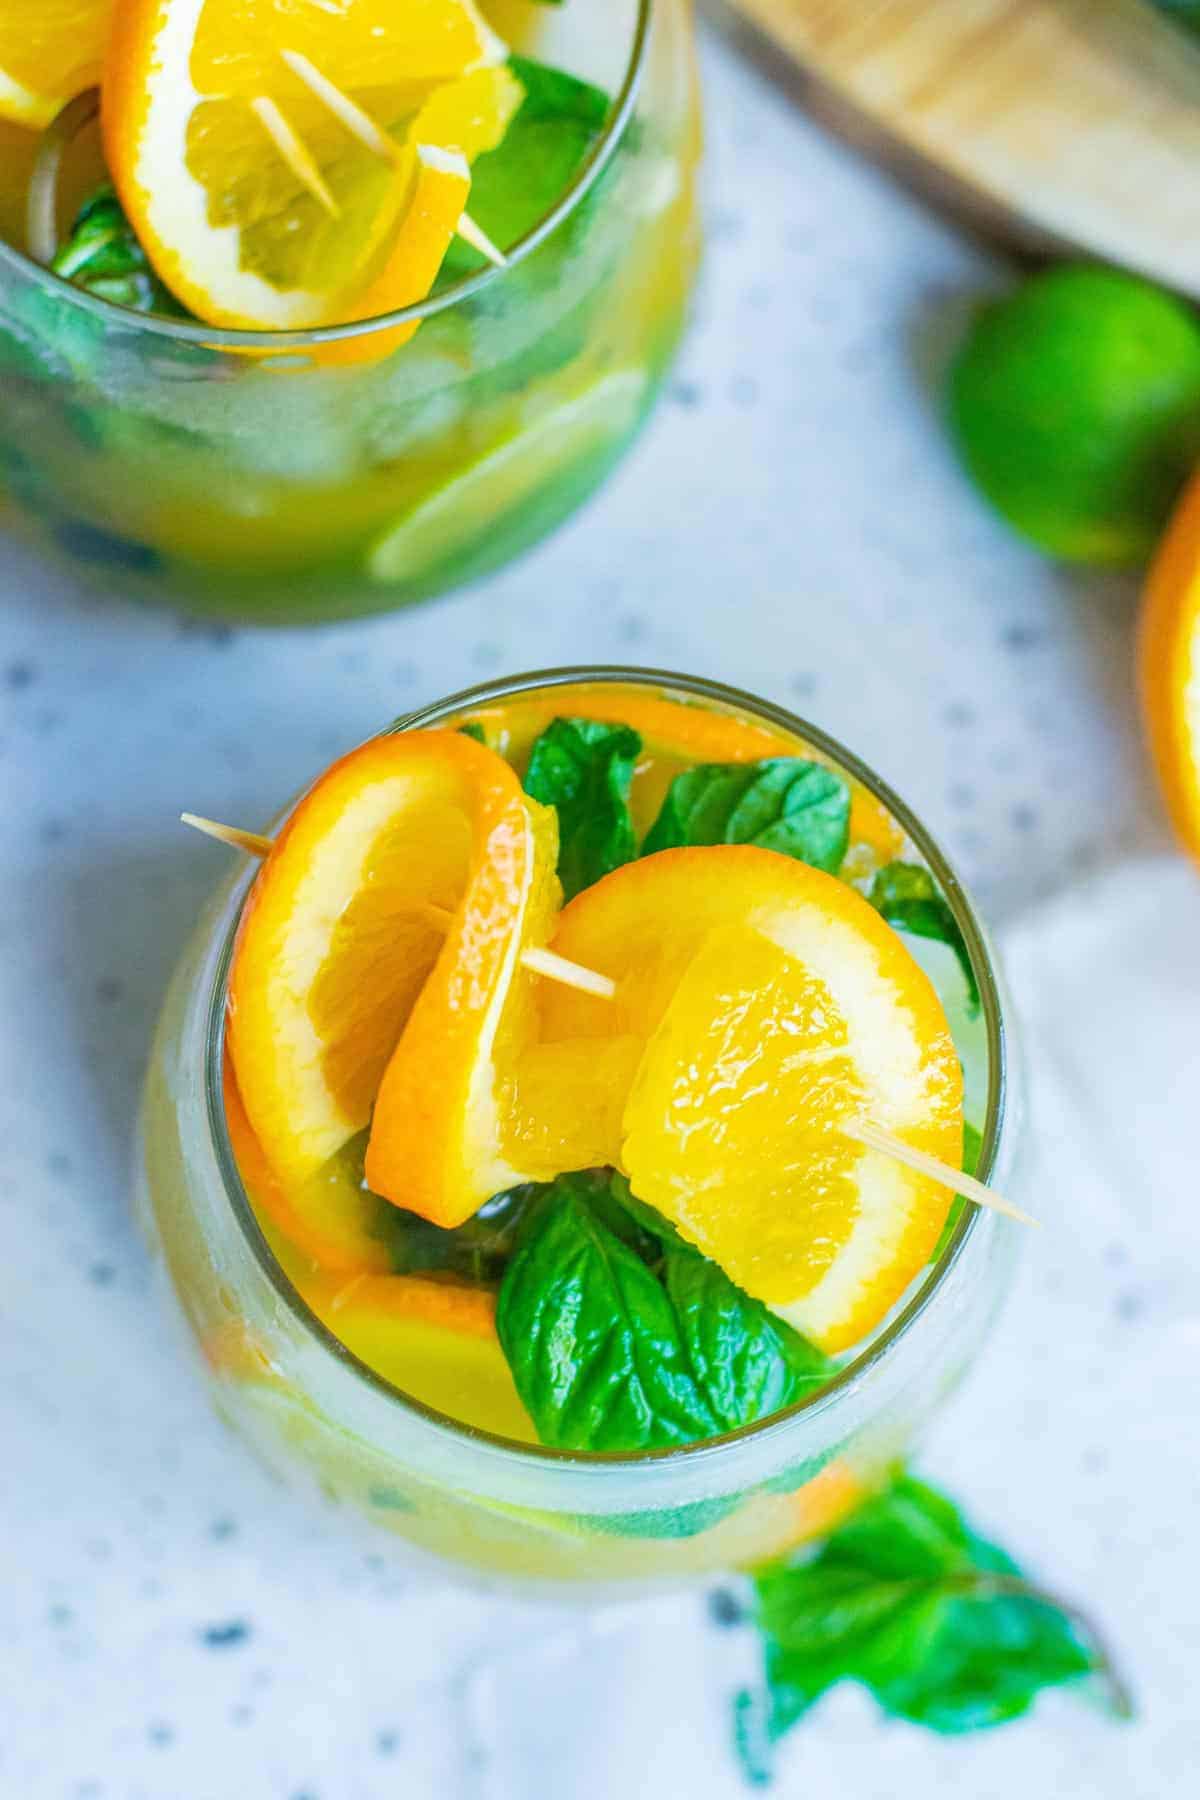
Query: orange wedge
column 458, row 122
column 328, row 1216
column 676, row 736
column 776, row 1006
column 338, row 937
column 435, row 1340
column 50, row 50
column 1169, row 667
column 264, row 157
column 439, row 1144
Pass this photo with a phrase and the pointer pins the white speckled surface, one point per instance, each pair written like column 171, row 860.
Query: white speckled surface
column 171, row 1626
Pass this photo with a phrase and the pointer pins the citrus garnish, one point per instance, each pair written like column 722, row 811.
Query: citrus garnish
column 347, row 919
column 562, row 1104
column 776, row 1007
column 458, row 122
column 272, row 183
column 1169, row 667
column 50, row 50
column 328, row 1216
column 435, row 1340
column 439, row 1142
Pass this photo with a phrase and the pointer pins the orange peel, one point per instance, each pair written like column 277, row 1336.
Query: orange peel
column 1169, row 667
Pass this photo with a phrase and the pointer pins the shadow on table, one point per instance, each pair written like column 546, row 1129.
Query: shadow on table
column 113, row 931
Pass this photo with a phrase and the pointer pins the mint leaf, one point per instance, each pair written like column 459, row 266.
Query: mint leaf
column 478, row 1251
column 590, row 1335
column 621, row 1336
column 103, row 256
column 908, row 898
column 747, row 1363
column 584, row 767
column 937, row 1622
column 799, row 808
column 515, row 185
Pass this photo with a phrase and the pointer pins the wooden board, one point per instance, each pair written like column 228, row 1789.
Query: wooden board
column 1069, row 123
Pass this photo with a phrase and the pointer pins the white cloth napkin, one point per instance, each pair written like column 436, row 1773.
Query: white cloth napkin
column 1074, row 1443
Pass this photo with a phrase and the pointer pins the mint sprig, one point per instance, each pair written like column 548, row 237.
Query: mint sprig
column 937, row 1622
column 584, row 768
column 103, row 255
column 784, row 803
column 622, row 1337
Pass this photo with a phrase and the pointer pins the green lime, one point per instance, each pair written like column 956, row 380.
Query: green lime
column 1075, row 404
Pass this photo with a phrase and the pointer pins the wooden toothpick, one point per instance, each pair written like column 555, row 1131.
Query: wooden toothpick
column 372, row 137
column 358, row 123
column 250, row 841
column 538, row 962
column 294, row 152
column 477, row 237
column 957, row 1180
column 589, row 981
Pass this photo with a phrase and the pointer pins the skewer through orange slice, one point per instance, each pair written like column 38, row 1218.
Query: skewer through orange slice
column 416, row 855
column 776, row 1006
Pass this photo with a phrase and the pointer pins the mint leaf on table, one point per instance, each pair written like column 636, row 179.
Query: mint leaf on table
column 583, row 768
column 103, row 256
column 515, row 185
column 785, row 803
column 621, row 1336
column 908, row 897
column 936, row 1621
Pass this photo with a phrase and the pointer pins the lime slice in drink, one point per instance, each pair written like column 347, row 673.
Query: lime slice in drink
column 539, row 454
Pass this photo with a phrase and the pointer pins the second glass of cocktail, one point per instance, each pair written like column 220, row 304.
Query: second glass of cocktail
column 447, row 410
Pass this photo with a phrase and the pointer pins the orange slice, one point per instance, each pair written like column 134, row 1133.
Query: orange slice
column 562, row 1104
column 50, row 50
column 676, row 736
column 328, row 1216
column 776, row 1006
column 337, row 938
column 458, row 122
column 434, row 1340
column 264, row 157
column 1169, row 667
column 438, row 1141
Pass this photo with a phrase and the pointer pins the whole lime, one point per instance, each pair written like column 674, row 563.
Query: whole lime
column 1075, row 404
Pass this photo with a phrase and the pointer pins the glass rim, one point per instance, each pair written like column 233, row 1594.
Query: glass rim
column 220, row 337
column 929, row 1284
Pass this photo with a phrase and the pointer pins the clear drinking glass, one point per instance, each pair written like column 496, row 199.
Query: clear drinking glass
column 520, row 1511
column 246, row 475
